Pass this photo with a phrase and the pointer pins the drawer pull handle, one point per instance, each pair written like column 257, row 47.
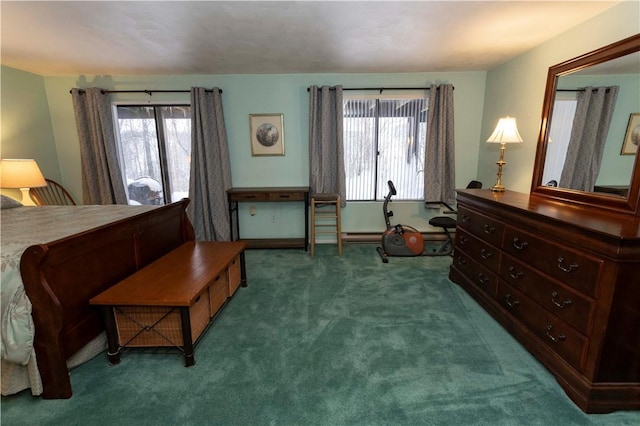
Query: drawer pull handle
column 553, row 338
column 511, row 302
column 284, row 196
column 463, row 240
column 519, row 245
column 249, row 196
column 565, row 268
column 514, row 273
column 483, row 279
column 460, row 260
column 466, row 218
column 489, row 229
column 485, row 254
column 562, row 305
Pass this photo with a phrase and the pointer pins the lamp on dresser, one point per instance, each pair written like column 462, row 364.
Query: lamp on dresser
column 506, row 132
column 21, row 174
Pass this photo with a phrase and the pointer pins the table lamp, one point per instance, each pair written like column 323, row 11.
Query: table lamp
column 505, row 132
column 22, row 174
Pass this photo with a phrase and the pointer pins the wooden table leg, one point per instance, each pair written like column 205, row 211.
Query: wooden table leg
column 243, row 270
column 187, row 340
column 111, row 328
column 306, row 220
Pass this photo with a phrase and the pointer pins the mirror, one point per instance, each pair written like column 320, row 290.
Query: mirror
column 567, row 139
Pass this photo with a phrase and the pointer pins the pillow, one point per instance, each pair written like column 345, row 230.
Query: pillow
column 9, row 203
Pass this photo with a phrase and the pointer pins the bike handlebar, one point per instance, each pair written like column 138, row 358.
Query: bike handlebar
column 391, row 188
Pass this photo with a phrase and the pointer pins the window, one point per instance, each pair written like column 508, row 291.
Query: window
column 155, row 151
column 384, row 139
column 564, row 109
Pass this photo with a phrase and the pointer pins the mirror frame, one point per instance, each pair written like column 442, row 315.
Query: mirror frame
column 629, row 205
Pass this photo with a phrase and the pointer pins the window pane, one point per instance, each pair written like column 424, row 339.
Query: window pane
column 140, row 158
column 177, row 129
column 359, row 128
column 559, row 135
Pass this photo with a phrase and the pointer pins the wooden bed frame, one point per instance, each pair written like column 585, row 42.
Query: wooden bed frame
column 61, row 276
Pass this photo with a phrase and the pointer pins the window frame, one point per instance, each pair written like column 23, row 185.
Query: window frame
column 418, row 94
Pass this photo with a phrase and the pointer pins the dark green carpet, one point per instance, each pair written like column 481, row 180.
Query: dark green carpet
column 327, row 340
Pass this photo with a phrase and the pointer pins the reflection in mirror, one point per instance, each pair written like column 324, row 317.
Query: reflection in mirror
column 591, row 111
column 616, row 169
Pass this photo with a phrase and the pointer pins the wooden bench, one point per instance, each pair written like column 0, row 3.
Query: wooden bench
column 171, row 301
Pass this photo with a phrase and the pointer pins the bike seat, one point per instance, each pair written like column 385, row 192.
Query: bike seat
column 443, row 222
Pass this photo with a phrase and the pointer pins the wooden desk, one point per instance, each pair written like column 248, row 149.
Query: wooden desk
column 275, row 194
column 171, row 301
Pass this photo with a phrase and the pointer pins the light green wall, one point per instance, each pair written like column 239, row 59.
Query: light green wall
column 516, row 88
column 26, row 130
column 246, row 94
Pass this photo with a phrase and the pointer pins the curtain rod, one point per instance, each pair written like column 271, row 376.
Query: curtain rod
column 579, row 90
column 378, row 88
column 148, row 92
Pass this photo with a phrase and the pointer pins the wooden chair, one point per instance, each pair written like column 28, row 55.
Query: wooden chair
column 327, row 219
column 53, row 194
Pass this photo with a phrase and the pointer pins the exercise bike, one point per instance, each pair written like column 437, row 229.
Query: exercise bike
column 398, row 240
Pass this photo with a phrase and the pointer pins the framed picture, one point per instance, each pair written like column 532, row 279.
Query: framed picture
column 267, row 134
column 632, row 137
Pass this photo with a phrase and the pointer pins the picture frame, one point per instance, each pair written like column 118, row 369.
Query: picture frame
column 267, row 134
column 632, row 136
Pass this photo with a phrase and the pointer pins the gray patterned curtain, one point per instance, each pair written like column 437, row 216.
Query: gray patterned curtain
column 439, row 173
column 588, row 137
column 210, row 167
column 326, row 152
column 101, row 174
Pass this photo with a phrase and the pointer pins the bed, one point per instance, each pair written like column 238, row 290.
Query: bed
column 54, row 259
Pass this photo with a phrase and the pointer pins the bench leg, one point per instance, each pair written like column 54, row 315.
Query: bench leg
column 243, row 270
column 187, row 340
column 111, row 328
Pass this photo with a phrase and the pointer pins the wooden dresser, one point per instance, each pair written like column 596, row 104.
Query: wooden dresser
column 562, row 279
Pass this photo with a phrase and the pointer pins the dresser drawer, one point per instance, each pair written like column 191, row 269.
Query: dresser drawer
column 575, row 269
column 483, row 253
column 479, row 275
column 483, row 227
column 286, row 196
column 248, row 196
column 555, row 333
column 569, row 305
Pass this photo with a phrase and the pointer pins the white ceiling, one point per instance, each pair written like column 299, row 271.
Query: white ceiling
column 257, row 37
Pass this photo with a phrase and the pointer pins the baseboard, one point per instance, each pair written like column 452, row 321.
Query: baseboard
column 368, row 237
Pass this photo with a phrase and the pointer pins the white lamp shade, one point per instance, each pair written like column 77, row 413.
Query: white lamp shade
column 505, row 132
column 20, row 174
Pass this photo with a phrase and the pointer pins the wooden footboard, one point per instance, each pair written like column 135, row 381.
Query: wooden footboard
column 60, row 277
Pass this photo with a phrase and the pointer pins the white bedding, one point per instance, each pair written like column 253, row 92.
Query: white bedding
column 20, row 228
